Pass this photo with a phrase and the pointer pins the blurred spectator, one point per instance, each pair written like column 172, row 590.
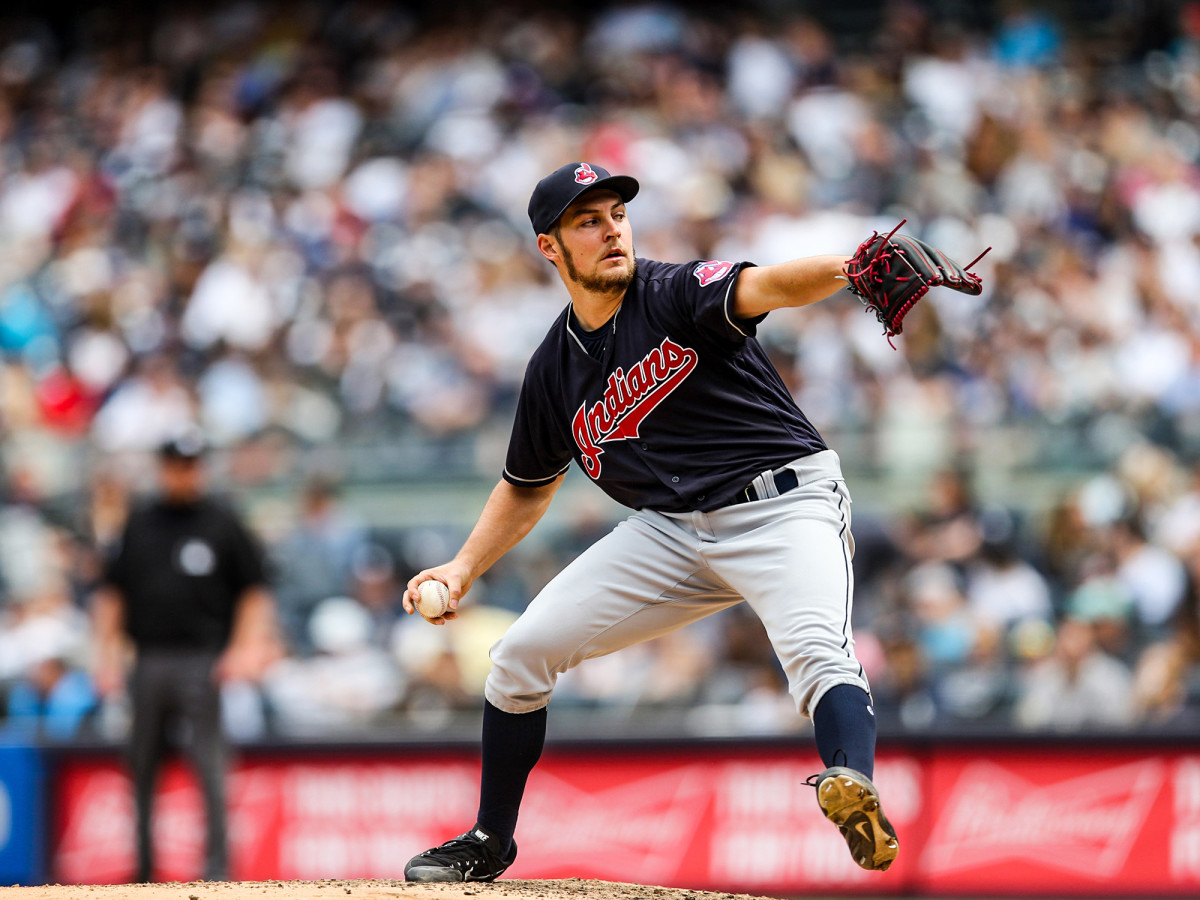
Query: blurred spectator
column 232, row 400
column 1027, row 37
column 376, row 586
column 446, row 667
column 1066, row 541
column 53, row 698
column 348, row 684
column 107, row 509
column 1167, row 678
column 947, row 527
column 144, row 411
column 962, row 652
column 947, row 631
column 1154, row 578
column 1077, row 687
column 315, row 559
column 1002, row 588
column 1177, row 527
column 1105, row 603
column 732, row 654
column 903, row 690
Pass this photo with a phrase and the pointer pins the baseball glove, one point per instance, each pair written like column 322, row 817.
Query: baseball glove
column 890, row 273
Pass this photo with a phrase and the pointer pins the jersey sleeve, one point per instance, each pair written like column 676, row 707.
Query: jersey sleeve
column 537, row 450
column 247, row 567
column 704, row 291
column 115, row 561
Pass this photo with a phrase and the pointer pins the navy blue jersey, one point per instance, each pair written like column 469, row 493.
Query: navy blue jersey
column 682, row 409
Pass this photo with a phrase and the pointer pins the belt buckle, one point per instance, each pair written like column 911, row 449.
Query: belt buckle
column 746, row 493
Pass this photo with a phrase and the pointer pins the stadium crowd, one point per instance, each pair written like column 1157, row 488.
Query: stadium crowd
column 304, row 225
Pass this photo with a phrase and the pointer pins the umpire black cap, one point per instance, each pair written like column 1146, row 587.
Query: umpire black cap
column 186, row 444
column 560, row 188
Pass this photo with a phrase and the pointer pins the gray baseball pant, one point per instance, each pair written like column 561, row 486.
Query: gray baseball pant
column 788, row 556
column 168, row 686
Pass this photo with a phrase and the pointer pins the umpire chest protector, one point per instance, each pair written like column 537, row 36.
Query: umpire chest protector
column 677, row 410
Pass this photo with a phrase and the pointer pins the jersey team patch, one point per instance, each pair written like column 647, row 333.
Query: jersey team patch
column 712, row 270
column 628, row 398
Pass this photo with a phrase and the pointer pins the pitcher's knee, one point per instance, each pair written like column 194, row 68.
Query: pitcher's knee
column 807, row 692
column 521, row 679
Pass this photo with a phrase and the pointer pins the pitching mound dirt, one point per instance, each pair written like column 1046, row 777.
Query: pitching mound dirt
column 563, row 889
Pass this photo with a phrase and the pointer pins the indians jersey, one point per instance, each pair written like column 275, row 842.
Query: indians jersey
column 679, row 412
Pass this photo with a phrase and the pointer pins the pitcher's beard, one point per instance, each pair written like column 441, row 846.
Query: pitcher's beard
column 606, row 283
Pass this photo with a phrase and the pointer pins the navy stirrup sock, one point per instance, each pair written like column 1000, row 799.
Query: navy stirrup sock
column 512, row 744
column 844, row 724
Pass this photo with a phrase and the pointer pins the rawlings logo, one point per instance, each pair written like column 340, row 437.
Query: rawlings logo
column 713, row 270
column 585, row 174
column 628, row 398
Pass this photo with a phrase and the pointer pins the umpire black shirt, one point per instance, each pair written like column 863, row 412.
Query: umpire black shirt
column 181, row 569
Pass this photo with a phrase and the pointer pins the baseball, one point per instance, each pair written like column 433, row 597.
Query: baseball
column 433, row 599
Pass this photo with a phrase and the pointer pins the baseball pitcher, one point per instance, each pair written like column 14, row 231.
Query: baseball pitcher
column 653, row 382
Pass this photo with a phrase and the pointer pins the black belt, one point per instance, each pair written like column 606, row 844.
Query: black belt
column 785, row 480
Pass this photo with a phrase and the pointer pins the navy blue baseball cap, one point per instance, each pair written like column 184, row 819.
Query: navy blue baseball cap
column 560, row 188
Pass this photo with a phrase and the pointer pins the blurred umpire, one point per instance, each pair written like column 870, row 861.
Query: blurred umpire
column 186, row 586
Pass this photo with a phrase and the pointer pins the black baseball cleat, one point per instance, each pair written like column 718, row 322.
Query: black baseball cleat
column 851, row 802
column 474, row 856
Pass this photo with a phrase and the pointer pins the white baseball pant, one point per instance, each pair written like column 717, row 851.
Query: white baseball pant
column 788, row 556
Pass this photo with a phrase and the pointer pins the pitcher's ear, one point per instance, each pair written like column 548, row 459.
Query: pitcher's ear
column 548, row 248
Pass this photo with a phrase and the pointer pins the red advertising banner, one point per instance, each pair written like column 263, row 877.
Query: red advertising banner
column 726, row 821
column 1084, row 823
column 1011, row 822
